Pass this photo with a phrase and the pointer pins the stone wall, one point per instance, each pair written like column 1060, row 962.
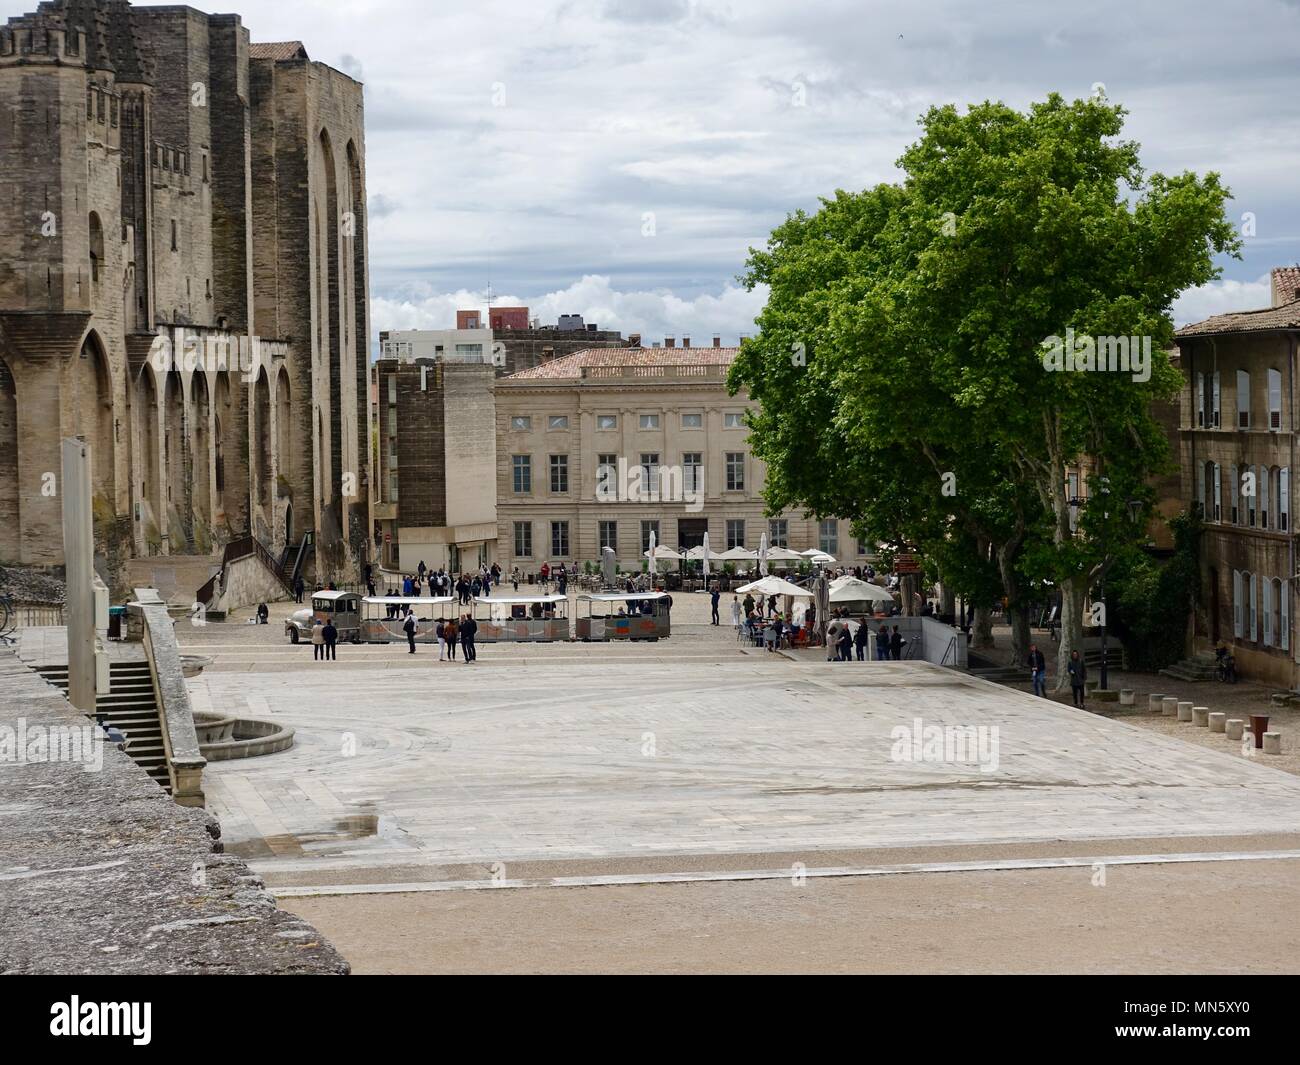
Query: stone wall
column 118, row 879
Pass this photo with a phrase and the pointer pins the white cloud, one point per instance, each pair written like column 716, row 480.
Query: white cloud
column 653, row 314
column 1220, row 297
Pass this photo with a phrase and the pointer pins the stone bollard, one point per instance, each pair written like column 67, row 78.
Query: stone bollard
column 1170, row 707
column 1272, row 743
column 1218, row 720
column 1200, row 716
column 1155, row 702
column 1235, row 727
column 1126, row 696
column 1184, row 710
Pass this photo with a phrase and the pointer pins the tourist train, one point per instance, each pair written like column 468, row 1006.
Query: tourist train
column 506, row 618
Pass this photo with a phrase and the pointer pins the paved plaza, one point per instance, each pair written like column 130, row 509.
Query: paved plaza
column 521, row 758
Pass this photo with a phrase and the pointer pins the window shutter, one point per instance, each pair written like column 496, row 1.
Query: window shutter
column 1200, row 401
column 1284, row 594
column 1268, row 611
column 1254, row 607
column 1215, row 400
column 1236, row 603
column 1263, row 497
column 1235, row 484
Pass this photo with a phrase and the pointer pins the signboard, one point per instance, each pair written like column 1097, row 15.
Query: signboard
column 906, row 562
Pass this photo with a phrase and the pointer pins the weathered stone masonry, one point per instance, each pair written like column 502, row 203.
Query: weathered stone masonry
column 162, row 176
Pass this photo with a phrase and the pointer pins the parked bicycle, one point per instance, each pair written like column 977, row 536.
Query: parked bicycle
column 1225, row 665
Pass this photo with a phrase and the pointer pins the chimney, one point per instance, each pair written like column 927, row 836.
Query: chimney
column 717, row 341
column 686, row 341
column 634, row 340
column 670, row 342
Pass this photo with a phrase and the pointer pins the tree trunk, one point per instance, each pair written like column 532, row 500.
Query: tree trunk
column 1073, row 593
column 983, row 634
column 1020, row 635
column 947, row 600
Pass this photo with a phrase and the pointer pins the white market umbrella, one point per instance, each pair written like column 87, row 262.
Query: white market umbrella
column 662, row 553
column 852, row 590
column 783, row 554
column 762, row 555
column 774, row 585
column 738, row 554
column 704, row 556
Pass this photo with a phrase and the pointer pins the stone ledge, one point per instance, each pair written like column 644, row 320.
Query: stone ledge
column 101, row 873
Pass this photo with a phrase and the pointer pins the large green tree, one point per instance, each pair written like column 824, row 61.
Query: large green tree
column 903, row 338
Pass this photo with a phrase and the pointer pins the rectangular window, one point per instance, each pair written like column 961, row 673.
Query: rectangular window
column 735, row 533
column 523, row 539
column 1243, row 399
column 558, row 421
column 649, row 473
column 606, row 421
column 522, row 468
column 692, row 421
column 1249, row 489
column 607, row 478
column 392, row 487
column 863, row 549
column 559, row 473
column 521, row 423
column 648, row 527
column 693, row 471
column 175, row 237
column 560, row 539
column 1200, row 401
column 649, row 421
column 609, row 536
column 733, row 420
column 735, row 471
column 1274, row 400
column 778, row 532
column 828, row 536
column 1266, row 614
column 1261, row 480
column 469, row 351
column 1252, row 589
column 1215, row 419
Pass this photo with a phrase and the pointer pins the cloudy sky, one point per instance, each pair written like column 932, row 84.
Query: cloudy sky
column 616, row 158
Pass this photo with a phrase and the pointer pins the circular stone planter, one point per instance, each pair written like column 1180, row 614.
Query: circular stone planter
column 222, row 737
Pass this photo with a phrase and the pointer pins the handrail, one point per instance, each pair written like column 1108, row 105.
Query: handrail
column 952, row 646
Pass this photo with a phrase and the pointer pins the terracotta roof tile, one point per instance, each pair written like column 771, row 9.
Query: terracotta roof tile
column 278, row 50
column 572, row 366
column 1286, row 284
column 1266, row 319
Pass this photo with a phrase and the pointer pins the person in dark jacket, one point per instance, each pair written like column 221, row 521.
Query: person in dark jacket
column 845, row 649
column 298, row 589
column 1038, row 670
column 468, row 627
column 882, row 644
column 860, row 640
column 409, row 627
column 896, row 644
column 1078, row 670
column 331, row 635
column 714, row 597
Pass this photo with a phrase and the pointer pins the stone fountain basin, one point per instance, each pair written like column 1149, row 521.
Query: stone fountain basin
column 223, row 737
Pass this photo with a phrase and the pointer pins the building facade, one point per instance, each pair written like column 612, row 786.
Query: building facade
column 183, row 284
column 602, row 447
column 1238, row 449
column 436, row 467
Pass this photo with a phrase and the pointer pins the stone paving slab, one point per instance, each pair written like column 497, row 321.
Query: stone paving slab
column 584, row 759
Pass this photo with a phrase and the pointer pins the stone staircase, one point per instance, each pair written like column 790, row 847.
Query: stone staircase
column 1198, row 667
column 130, row 706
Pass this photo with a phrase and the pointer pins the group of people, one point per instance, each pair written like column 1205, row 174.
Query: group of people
column 449, row 632
column 1076, row 668
column 846, row 640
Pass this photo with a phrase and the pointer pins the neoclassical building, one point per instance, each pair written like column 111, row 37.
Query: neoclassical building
column 183, row 284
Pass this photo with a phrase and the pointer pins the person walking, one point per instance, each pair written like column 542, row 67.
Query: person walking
column 331, row 636
column 736, row 615
column 440, row 630
column 882, row 644
column 896, row 644
column 846, row 642
column 1038, row 670
column 1078, row 670
column 714, row 597
column 410, row 626
column 317, row 640
column 514, row 577
column 298, row 589
column 468, row 627
column 453, row 634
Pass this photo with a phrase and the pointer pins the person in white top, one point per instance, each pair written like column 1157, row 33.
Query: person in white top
column 736, row 613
